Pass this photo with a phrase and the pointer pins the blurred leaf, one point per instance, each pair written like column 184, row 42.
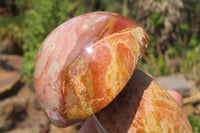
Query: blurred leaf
column 172, row 52
column 193, row 41
column 156, row 19
column 195, row 123
column 184, row 27
column 191, row 55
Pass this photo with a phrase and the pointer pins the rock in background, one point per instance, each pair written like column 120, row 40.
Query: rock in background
column 20, row 111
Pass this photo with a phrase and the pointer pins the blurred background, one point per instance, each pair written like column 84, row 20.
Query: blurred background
column 174, row 50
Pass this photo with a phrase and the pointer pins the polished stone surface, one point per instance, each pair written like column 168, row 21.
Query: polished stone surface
column 84, row 63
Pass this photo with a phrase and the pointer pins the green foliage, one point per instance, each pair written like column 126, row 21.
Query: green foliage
column 184, row 27
column 194, row 41
column 184, row 54
column 172, row 52
column 156, row 19
column 42, row 17
column 191, row 59
column 155, row 65
column 195, row 123
column 36, row 20
column 10, row 28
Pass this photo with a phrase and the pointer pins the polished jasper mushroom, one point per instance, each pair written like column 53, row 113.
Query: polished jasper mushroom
column 85, row 63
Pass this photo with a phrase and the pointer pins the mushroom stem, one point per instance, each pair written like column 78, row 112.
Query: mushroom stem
column 142, row 106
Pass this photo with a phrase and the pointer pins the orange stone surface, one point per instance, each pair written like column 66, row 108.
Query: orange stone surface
column 143, row 106
column 84, row 64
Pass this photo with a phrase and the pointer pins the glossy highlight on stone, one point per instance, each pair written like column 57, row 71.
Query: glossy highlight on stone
column 84, row 63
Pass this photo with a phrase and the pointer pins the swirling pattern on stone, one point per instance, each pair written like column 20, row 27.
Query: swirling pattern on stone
column 84, row 64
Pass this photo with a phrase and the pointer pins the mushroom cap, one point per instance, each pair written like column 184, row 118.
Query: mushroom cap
column 84, row 63
column 143, row 106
